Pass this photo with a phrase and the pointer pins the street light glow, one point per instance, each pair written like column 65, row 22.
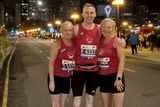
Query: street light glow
column 33, row 14
column 74, row 16
column 117, row 2
column 39, row 3
column 150, row 25
column 125, row 23
column 49, row 25
column 58, row 22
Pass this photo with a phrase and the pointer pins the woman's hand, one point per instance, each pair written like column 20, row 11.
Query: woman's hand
column 118, row 84
column 51, row 86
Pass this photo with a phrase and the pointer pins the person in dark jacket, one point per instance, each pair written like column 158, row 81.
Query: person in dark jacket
column 134, row 42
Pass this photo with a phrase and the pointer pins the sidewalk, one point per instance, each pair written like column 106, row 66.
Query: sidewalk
column 145, row 54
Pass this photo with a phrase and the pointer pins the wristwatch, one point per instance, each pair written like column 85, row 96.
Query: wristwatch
column 119, row 78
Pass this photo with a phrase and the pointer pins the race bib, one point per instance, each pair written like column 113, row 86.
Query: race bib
column 103, row 63
column 88, row 51
column 68, row 65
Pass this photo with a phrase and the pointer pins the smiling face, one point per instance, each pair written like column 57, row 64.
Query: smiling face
column 67, row 30
column 89, row 13
column 107, row 27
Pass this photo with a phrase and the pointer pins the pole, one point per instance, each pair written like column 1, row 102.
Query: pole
column 118, row 21
column 74, row 21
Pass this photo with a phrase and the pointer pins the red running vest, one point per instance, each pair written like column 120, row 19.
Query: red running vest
column 108, row 59
column 87, row 46
column 65, row 60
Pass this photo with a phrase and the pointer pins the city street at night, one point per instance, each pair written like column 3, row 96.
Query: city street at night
column 29, row 70
column 88, row 37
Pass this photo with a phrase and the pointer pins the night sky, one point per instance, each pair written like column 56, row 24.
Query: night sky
column 152, row 4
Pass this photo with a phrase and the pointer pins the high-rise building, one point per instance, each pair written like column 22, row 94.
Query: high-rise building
column 17, row 14
column 38, row 11
column 24, row 10
column 32, row 8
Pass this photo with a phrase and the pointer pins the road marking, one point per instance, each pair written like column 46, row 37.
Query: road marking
column 48, row 57
column 17, row 41
column 6, row 83
column 131, row 70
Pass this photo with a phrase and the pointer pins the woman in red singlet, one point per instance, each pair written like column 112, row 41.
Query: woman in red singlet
column 111, row 63
column 61, row 65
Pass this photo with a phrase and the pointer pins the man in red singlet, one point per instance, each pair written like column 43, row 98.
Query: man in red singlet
column 61, row 65
column 87, row 45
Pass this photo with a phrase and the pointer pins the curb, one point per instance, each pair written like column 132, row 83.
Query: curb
column 6, row 83
column 5, row 53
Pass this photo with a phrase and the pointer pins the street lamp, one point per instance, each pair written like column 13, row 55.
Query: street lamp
column 74, row 16
column 118, row 3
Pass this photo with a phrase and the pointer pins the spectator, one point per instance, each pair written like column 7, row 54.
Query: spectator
column 133, row 42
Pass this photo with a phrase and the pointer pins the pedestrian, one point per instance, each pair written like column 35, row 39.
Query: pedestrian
column 158, row 42
column 87, row 44
column 133, row 42
column 111, row 63
column 152, row 40
column 61, row 65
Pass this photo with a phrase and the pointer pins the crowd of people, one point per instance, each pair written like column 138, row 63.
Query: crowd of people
column 87, row 55
column 143, row 40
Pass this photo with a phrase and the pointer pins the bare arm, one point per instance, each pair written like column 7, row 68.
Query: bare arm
column 122, row 42
column 121, row 58
column 53, row 55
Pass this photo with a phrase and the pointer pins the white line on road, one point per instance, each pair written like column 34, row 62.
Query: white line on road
column 47, row 57
column 129, row 70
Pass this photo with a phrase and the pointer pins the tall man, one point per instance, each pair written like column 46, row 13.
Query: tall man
column 87, row 45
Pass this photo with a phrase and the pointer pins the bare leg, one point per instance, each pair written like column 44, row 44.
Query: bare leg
column 76, row 101
column 63, row 98
column 55, row 100
column 118, row 99
column 107, row 99
column 89, row 100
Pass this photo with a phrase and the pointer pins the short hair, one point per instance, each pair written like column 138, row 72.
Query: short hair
column 88, row 5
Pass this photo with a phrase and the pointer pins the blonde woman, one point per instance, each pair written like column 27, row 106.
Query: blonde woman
column 61, row 65
column 111, row 63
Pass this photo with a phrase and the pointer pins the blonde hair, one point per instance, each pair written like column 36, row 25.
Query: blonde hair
column 65, row 23
column 113, row 23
